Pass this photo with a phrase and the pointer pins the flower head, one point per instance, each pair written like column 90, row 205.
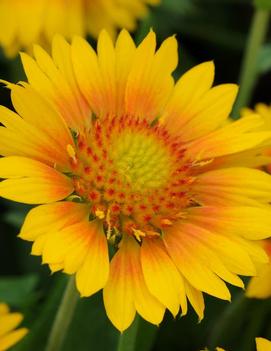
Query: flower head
column 116, row 153
column 9, row 335
column 23, row 23
column 263, row 344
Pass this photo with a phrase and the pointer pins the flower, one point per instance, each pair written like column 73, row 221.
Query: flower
column 263, row 344
column 260, row 286
column 114, row 152
column 24, row 23
column 9, row 335
column 265, row 112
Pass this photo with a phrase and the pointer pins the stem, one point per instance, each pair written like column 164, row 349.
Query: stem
column 249, row 72
column 127, row 340
column 63, row 317
column 227, row 320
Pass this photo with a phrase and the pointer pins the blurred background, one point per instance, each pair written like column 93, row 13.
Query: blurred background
column 206, row 30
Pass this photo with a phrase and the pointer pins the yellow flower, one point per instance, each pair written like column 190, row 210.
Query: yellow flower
column 28, row 22
column 116, row 153
column 260, row 286
column 265, row 112
column 263, row 344
column 9, row 335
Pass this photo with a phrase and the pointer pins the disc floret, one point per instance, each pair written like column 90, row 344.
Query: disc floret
column 135, row 176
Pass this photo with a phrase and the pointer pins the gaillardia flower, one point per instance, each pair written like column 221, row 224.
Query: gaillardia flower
column 116, row 153
column 263, row 344
column 9, row 335
column 23, row 23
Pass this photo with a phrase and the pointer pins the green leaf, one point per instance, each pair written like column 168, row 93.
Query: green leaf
column 263, row 4
column 17, row 291
column 40, row 319
column 91, row 328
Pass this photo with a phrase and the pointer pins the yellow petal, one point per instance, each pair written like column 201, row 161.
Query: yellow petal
column 194, row 239
column 263, row 344
column 233, row 254
column 259, row 287
column 12, row 338
column 161, row 276
column 93, row 274
column 9, row 322
column 235, row 137
column 187, row 262
column 150, row 82
column 40, row 113
column 52, row 217
column 145, row 303
column 125, row 50
column 188, row 90
column 4, row 309
column 88, row 75
column 78, row 111
column 233, row 186
column 210, row 112
column 21, row 138
column 139, row 296
column 252, row 223
column 118, row 292
column 106, row 61
column 32, row 182
column 195, row 297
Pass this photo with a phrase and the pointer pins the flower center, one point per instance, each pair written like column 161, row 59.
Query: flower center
column 134, row 175
column 141, row 161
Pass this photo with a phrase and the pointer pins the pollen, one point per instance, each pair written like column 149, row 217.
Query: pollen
column 135, row 176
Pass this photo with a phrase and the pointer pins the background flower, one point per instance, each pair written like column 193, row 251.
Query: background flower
column 24, row 23
column 260, row 286
column 9, row 335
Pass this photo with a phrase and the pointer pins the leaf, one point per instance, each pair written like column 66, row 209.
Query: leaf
column 40, row 319
column 17, row 291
